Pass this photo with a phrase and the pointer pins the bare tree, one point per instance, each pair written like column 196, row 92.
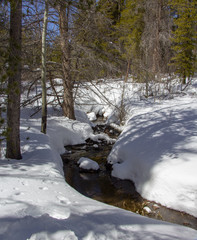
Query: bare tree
column 43, row 71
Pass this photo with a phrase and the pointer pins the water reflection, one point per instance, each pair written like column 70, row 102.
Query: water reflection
column 121, row 193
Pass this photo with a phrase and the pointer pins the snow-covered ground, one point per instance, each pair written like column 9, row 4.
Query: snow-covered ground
column 158, row 151
column 157, row 148
column 37, row 204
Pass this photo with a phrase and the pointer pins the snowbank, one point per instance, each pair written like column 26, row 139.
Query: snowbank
column 67, row 132
column 36, row 203
column 157, row 150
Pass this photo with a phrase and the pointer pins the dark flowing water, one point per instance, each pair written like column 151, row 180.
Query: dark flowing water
column 121, row 193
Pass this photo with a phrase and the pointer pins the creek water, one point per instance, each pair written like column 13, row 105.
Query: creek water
column 103, row 187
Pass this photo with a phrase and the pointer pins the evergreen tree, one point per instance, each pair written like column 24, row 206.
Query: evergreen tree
column 184, row 37
column 156, row 37
column 95, row 47
column 112, row 9
column 144, row 31
column 130, row 30
column 14, row 82
column 4, row 39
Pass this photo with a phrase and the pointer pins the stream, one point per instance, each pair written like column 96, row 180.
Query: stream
column 103, row 187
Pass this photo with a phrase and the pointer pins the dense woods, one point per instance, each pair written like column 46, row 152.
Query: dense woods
column 88, row 40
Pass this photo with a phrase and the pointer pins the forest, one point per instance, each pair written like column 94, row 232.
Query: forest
column 86, row 40
column 98, row 96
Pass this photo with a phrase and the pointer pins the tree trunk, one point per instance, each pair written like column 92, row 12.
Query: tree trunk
column 122, row 109
column 14, row 82
column 68, row 102
column 43, row 73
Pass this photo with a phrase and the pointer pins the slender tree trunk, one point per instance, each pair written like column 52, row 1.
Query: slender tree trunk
column 14, row 82
column 122, row 110
column 68, row 102
column 43, row 72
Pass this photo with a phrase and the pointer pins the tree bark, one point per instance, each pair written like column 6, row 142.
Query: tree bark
column 122, row 109
column 68, row 102
column 14, row 82
column 43, row 72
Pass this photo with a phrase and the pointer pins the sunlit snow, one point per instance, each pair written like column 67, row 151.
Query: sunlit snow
column 88, row 164
column 157, row 150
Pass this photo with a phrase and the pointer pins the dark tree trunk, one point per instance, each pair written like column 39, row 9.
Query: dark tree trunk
column 14, row 82
column 68, row 102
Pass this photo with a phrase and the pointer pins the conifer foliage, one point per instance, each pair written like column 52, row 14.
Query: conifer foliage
column 184, row 37
column 159, row 37
column 130, row 28
column 88, row 40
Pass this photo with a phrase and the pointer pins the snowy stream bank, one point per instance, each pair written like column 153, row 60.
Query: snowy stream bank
column 101, row 186
column 36, row 203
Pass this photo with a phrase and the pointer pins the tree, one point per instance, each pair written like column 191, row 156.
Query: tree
column 14, row 82
column 95, row 48
column 144, row 29
column 4, row 39
column 130, row 30
column 184, row 37
column 156, row 37
column 64, row 14
column 43, row 71
column 112, row 9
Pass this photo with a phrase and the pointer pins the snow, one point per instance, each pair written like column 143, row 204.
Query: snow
column 88, row 164
column 92, row 116
column 81, row 116
column 95, row 146
column 102, row 136
column 157, row 149
column 75, row 132
column 147, row 209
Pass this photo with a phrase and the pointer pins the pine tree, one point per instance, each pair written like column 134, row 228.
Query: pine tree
column 156, row 37
column 14, row 82
column 111, row 9
column 4, row 36
column 184, row 37
column 95, row 47
column 130, row 30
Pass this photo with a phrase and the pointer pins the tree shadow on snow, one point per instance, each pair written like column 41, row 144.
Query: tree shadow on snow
column 150, row 138
column 100, row 224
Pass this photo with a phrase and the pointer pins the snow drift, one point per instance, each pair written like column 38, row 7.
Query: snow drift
column 157, row 150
